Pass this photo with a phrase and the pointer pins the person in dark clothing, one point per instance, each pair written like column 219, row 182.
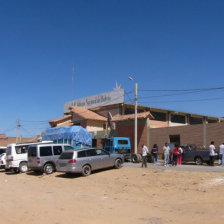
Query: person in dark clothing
column 155, row 151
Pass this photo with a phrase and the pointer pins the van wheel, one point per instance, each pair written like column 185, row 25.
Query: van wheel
column 198, row 161
column 23, row 168
column 86, row 170
column 16, row 170
column 117, row 163
column 48, row 168
column 135, row 158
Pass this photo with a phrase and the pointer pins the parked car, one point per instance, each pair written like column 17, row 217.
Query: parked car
column 2, row 160
column 192, row 154
column 42, row 157
column 86, row 160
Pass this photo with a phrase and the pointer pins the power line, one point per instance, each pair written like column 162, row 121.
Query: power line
column 180, row 101
column 180, row 90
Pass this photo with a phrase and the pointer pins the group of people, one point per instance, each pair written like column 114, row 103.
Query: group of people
column 173, row 157
column 213, row 153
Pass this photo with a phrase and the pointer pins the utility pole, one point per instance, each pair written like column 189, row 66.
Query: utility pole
column 136, row 117
column 17, row 129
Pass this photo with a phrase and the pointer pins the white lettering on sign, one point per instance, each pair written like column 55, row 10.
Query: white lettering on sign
column 114, row 97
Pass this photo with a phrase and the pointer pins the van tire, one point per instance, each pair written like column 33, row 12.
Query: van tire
column 198, row 161
column 48, row 168
column 117, row 163
column 23, row 168
column 86, row 170
column 16, row 170
column 135, row 158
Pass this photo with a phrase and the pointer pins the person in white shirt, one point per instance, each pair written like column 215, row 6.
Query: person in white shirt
column 221, row 154
column 145, row 151
column 212, row 153
column 166, row 153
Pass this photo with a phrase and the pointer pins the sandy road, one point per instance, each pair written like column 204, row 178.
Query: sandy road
column 127, row 195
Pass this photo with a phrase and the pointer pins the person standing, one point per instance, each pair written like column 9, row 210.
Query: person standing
column 221, row 154
column 179, row 156
column 212, row 153
column 166, row 153
column 175, row 154
column 145, row 151
column 155, row 151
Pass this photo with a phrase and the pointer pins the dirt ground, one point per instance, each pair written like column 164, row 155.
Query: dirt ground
column 128, row 195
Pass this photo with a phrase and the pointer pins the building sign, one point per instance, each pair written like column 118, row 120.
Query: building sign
column 114, row 97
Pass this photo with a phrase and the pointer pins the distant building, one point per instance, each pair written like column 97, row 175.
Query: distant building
column 4, row 141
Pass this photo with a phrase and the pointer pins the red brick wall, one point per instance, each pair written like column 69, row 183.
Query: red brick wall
column 126, row 129
column 188, row 134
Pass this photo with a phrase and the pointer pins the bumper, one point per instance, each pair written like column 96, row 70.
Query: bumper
column 66, row 169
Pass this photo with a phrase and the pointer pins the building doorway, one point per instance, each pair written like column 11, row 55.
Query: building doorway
column 175, row 139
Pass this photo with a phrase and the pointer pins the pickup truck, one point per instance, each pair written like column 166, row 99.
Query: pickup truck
column 192, row 154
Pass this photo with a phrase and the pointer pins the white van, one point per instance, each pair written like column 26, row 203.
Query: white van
column 16, row 157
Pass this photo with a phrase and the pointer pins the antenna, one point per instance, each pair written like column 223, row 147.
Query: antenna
column 73, row 72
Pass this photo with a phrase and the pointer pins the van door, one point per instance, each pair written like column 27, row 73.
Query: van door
column 32, row 156
column 21, row 154
column 104, row 159
column 46, row 154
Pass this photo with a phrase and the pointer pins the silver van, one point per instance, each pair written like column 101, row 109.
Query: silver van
column 42, row 157
column 87, row 159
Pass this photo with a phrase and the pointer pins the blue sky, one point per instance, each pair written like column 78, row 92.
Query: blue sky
column 164, row 45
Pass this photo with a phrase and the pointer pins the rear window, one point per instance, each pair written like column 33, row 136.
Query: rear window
column 21, row 149
column 57, row 150
column 82, row 154
column 45, row 151
column 32, row 151
column 67, row 147
column 66, row 155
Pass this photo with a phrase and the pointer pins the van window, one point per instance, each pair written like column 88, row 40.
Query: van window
column 91, row 152
column 67, row 147
column 82, row 154
column 57, row 150
column 100, row 152
column 32, row 151
column 8, row 151
column 123, row 142
column 21, row 149
column 2, row 151
column 45, row 151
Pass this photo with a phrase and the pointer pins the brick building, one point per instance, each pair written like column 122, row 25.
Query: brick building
column 155, row 125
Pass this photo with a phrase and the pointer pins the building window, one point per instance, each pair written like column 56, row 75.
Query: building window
column 159, row 116
column 178, row 119
column 195, row 120
column 212, row 121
